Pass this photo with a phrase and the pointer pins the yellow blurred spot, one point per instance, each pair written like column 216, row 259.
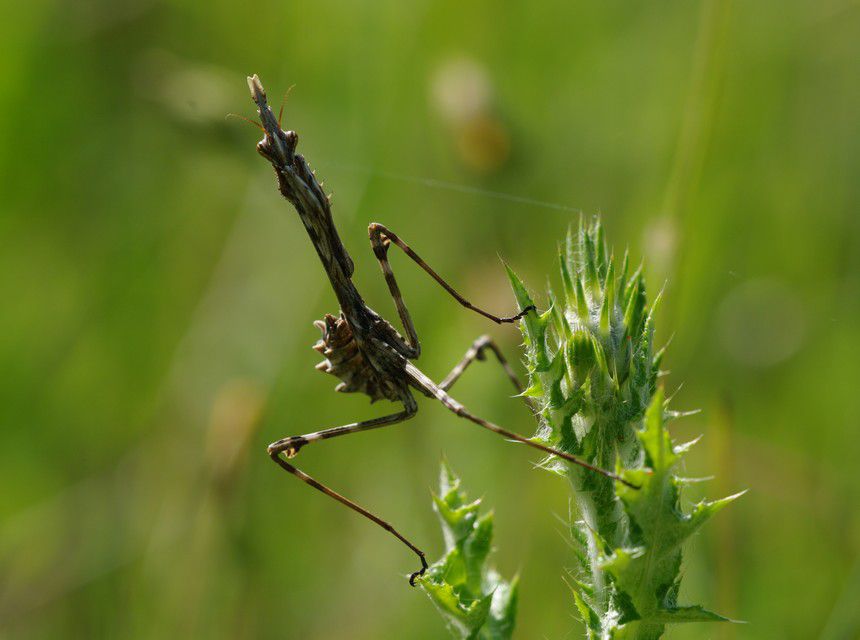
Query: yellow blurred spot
column 236, row 413
column 461, row 90
column 483, row 144
column 462, row 94
column 660, row 239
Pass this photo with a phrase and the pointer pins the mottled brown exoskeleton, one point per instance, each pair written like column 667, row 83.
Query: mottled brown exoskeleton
column 362, row 349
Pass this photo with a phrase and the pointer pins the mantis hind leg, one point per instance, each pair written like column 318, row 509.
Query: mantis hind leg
column 419, row 380
column 292, row 445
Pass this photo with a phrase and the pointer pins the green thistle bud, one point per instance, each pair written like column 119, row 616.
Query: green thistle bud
column 605, row 345
column 593, row 370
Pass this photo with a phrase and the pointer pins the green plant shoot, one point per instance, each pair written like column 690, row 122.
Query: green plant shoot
column 473, row 599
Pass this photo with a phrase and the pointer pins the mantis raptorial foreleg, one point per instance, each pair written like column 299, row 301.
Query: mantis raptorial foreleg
column 380, row 238
column 478, row 352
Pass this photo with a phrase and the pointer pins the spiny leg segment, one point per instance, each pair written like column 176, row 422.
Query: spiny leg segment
column 292, row 444
column 290, row 447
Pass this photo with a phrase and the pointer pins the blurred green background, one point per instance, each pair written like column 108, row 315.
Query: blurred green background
column 158, row 298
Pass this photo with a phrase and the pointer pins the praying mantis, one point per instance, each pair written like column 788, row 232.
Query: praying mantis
column 361, row 348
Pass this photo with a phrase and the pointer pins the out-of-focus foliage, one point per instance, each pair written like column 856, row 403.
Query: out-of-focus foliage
column 158, row 298
column 473, row 599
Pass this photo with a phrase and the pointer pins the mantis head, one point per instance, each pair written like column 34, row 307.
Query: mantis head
column 277, row 146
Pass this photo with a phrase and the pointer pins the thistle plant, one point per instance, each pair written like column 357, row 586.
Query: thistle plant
column 593, row 373
column 473, row 599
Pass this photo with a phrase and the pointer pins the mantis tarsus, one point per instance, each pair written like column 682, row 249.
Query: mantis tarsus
column 361, row 348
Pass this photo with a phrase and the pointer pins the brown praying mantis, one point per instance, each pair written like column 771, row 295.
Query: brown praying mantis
column 361, row 348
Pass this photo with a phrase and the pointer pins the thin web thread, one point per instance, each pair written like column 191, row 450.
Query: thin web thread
column 433, row 183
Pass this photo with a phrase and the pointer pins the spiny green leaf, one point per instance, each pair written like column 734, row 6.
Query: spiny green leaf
column 589, row 257
column 704, row 510
column 534, row 327
column 457, row 519
column 627, row 612
column 588, row 615
column 520, row 291
column 560, row 323
column 681, row 449
column 566, row 280
column 635, row 310
column 534, row 391
column 631, row 283
column 622, row 275
column 570, row 246
column 475, row 602
column 581, row 301
column 503, row 608
column 660, row 455
column 600, row 245
column 607, row 305
column 463, row 618
column 687, row 614
column 476, row 548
